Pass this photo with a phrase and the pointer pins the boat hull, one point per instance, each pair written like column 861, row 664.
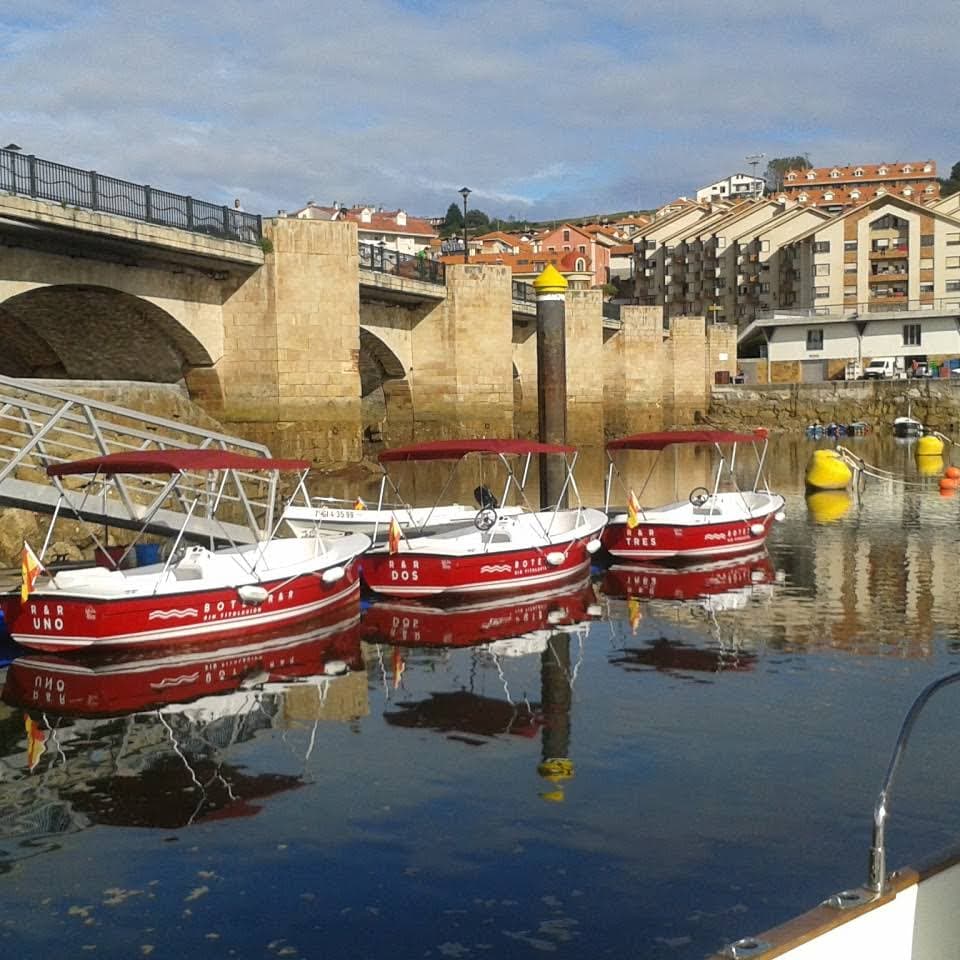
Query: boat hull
column 427, row 574
column 54, row 621
column 678, row 541
column 115, row 683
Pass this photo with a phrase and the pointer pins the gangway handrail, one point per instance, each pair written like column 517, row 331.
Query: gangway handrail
column 42, row 425
column 877, row 875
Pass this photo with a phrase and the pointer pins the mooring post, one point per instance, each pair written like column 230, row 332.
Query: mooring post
column 556, row 699
column 551, row 288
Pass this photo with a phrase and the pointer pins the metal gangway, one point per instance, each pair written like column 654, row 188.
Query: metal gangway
column 40, row 426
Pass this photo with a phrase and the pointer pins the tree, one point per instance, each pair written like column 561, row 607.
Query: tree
column 453, row 221
column 777, row 169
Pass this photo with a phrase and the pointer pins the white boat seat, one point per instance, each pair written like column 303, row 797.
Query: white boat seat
column 193, row 565
column 99, row 580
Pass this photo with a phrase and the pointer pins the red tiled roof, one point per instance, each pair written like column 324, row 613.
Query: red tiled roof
column 869, row 171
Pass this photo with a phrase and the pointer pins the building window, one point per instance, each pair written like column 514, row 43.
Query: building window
column 821, row 246
column 849, row 268
column 566, row 234
column 811, row 175
column 907, row 168
column 926, row 240
column 952, row 286
column 854, row 194
column 821, row 293
column 858, row 172
column 908, row 191
column 953, row 239
column 882, row 171
column 815, row 338
column 850, row 291
column 927, row 168
column 821, row 270
column 953, row 263
column 802, row 197
column 911, row 334
column 834, row 173
column 581, row 264
column 850, row 245
column 926, row 287
column 928, row 188
column 926, row 263
column 582, row 248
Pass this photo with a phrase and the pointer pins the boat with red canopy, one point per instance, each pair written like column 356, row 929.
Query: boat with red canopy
column 502, row 552
column 199, row 590
column 720, row 521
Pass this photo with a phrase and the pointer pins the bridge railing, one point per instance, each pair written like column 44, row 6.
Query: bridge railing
column 412, row 267
column 30, row 176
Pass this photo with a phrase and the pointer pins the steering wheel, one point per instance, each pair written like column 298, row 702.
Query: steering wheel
column 485, row 519
column 699, row 496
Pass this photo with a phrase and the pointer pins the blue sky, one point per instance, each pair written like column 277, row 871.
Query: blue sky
column 545, row 110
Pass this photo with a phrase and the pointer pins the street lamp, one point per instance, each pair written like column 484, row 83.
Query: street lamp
column 465, row 192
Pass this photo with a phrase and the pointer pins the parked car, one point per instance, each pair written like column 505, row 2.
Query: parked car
column 885, row 368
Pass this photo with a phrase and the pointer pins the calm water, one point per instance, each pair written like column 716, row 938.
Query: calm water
column 720, row 760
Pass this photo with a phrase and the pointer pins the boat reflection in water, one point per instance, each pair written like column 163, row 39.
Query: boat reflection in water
column 710, row 588
column 492, row 634
column 164, row 723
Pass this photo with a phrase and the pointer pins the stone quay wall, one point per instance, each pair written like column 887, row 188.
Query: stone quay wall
column 791, row 407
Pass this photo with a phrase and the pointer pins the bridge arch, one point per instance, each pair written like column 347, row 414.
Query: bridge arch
column 89, row 332
column 386, row 396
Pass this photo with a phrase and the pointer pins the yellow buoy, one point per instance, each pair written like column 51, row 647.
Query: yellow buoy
column 929, row 446
column 827, row 470
column 929, row 466
column 828, row 506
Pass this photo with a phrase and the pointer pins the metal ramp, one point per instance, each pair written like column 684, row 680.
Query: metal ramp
column 40, row 426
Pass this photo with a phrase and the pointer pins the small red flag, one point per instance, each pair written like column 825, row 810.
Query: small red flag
column 393, row 537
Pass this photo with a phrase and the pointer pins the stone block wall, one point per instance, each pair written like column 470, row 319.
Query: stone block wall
column 633, row 372
column 584, row 353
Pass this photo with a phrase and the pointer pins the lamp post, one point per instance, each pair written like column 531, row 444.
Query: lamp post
column 465, row 192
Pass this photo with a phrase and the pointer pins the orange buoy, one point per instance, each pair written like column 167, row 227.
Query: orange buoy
column 949, row 483
column 948, row 491
column 952, row 472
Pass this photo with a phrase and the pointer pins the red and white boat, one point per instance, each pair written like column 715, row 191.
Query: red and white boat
column 711, row 522
column 110, row 683
column 500, row 553
column 197, row 592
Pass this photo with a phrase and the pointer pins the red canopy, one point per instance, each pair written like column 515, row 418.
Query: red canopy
column 455, row 449
column 171, row 461
column 657, row 441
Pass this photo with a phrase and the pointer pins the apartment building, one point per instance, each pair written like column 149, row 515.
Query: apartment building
column 394, row 229
column 837, row 188
column 882, row 279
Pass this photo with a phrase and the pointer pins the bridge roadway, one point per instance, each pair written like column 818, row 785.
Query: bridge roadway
column 293, row 345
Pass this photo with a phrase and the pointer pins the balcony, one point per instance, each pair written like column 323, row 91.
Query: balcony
column 899, row 276
column 899, row 252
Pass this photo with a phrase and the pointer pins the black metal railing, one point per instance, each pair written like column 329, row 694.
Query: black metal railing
column 30, row 176
column 410, row 266
column 524, row 292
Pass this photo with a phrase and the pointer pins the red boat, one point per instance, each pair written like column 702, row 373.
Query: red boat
column 688, row 582
column 415, row 624
column 196, row 592
column 710, row 523
column 502, row 552
column 106, row 684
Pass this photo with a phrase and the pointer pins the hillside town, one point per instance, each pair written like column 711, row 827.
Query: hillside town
column 817, row 266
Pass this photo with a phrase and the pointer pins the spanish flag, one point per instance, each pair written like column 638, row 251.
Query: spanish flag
column 393, row 535
column 359, row 504
column 30, row 567
column 634, row 614
column 35, row 741
column 633, row 510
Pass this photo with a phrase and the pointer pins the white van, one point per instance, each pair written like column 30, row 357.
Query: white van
column 885, row 368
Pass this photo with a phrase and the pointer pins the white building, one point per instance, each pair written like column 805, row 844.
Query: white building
column 737, row 186
column 394, row 229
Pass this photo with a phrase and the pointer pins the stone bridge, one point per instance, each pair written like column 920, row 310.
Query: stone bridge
column 291, row 344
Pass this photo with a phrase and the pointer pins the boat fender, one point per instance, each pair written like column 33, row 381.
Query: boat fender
column 252, row 594
column 557, row 616
column 555, row 558
column 335, row 668
column 757, row 576
column 593, row 545
column 333, row 574
column 779, row 516
column 595, row 610
column 756, row 529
